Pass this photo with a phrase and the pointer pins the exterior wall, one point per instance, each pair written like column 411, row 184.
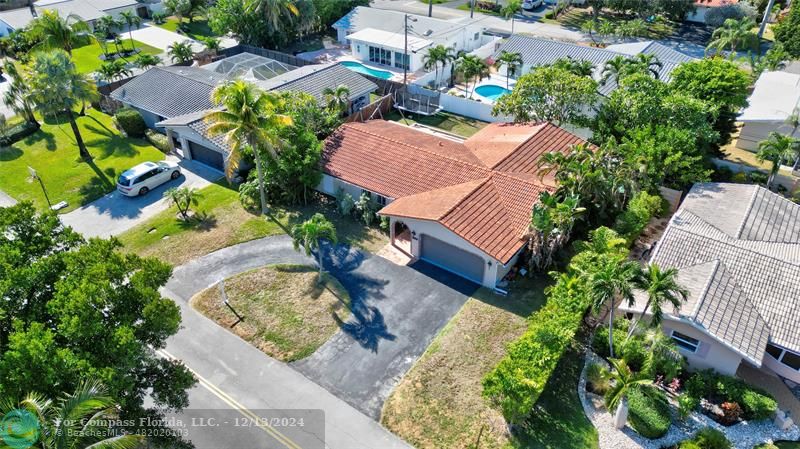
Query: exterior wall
column 502, row 270
column 5, row 29
column 780, row 369
column 184, row 134
column 360, row 51
column 436, row 230
column 330, row 185
column 150, row 119
column 754, row 132
column 117, row 11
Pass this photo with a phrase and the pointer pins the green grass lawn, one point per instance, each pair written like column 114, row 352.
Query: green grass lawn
column 197, row 29
column 224, row 222
column 52, row 151
column 452, row 123
column 575, row 17
column 87, row 58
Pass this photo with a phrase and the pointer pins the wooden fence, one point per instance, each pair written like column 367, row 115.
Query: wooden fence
column 375, row 110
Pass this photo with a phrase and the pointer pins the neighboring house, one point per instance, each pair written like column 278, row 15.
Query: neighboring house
column 166, row 92
column 775, row 99
column 188, row 131
column 87, row 10
column 737, row 249
column 376, row 36
column 536, row 52
column 702, row 7
column 465, row 206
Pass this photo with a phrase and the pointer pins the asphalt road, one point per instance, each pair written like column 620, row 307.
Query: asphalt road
column 246, row 375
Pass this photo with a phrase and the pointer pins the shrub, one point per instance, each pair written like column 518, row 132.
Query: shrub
column 131, row 122
column 549, row 15
column 600, row 339
column 158, row 140
column 649, row 412
column 159, row 18
column 739, row 178
column 344, row 202
column 731, row 413
column 686, row 405
column 715, row 17
column 641, row 208
column 787, row 32
column 633, row 352
column 758, row 177
column 17, row 133
column 709, row 438
column 722, row 174
column 598, row 379
column 248, row 194
column 366, row 209
column 755, row 403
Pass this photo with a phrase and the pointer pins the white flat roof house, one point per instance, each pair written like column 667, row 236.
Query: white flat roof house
column 87, row 10
column 736, row 250
column 376, row 36
column 775, row 98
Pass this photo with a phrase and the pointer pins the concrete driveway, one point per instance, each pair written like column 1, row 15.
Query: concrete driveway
column 397, row 311
column 115, row 213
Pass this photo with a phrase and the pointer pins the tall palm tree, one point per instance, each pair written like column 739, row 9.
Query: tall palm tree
column 512, row 61
column 309, row 235
column 579, row 67
column 614, row 69
column 611, row 281
column 19, row 95
column 647, row 63
column 473, row 68
column 624, row 380
column 108, row 24
column 114, row 70
column 338, row 99
column 100, row 36
column 605, row 29
column 510, row 10
column 131, row 20
column 436, row 55
column 249, row 120
column 274, row 11
column 181, row 52
column 732, row 35
column 776, row 149
column 70, row 422
column 145, row 61
column 661, row 287
column 58, row 89
column 55, row 31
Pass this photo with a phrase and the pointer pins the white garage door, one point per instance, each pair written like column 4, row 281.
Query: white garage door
column 452, row 258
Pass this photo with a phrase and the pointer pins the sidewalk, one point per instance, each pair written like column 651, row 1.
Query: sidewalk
column 6, row 200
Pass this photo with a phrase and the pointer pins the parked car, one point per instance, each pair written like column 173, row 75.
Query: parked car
column 531, row 4
column 147, row 176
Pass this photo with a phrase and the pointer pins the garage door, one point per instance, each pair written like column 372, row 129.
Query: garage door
column 451, row 258
column 207, row 156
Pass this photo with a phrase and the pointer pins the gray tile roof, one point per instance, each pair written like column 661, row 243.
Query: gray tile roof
column 362, row 17
column 314, row 79
column 170, row 91
column 750, row 235
column 537, row 52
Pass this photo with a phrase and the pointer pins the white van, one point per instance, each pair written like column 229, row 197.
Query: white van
column 147, row 176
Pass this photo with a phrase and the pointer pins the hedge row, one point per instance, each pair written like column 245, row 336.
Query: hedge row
column 515, row 384
column 641, row 208
column 649, row 412
column 17, row 133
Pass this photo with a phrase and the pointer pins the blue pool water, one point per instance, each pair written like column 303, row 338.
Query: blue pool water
column 361, row 68
column 491, row 91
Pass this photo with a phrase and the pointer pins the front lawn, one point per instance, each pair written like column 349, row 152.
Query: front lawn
column 87, row 58
column 439, row 404
column 452, row 123
column 575, row 17
column 287, row 313
column 224, row 222
column 199, row 27
column 52, row 151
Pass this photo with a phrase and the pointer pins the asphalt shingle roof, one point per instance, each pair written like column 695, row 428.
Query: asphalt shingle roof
column 754, row 292
column 170, row 91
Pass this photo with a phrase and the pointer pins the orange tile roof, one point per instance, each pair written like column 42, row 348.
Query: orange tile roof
column 482, row 189
column 714, row 3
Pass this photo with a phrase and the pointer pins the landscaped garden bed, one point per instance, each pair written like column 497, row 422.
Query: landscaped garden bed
column 286, row 312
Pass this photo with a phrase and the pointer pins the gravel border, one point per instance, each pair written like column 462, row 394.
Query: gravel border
column 744, row 435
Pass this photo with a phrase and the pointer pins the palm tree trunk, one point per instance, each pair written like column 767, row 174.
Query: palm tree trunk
column 319, row 259
column 611, row 329
column 78, row 138
column 636, row 321
column 262, row 194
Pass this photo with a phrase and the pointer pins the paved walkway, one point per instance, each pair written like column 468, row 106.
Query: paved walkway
column 774, row 385
column 115, row 213
column 6, row 200
column 155, row 36
column 246, row 374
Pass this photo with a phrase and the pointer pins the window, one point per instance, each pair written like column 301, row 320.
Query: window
column 401, row 61
column 791, row 360
column 476, row 36
column 686, row 342
column 380, row 199
column 380, row 56
column 774, row 351
column 366, row 192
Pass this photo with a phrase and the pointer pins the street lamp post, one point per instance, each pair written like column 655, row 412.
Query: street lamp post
column 34, row 175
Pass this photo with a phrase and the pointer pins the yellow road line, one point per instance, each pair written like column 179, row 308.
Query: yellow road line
column 283, row 439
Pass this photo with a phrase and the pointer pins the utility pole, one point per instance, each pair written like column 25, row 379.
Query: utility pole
column 430, row 8
column 764, row 20
column 472, row 8
column 406, row 59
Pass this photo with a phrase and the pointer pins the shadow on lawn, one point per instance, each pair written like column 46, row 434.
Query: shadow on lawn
column 99, row 185
column 10, row 153
column 39, row 136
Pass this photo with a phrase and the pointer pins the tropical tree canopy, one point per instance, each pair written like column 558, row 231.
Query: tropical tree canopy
column 54, row 31
column 777, row 149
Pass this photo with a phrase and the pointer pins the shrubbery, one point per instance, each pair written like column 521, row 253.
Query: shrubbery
column 17, row 133
column 707, row 438
column 641, row 208
column 649, row 412
column 131, row 122
column 787, row 32
column 158, row 140
column 718, row 388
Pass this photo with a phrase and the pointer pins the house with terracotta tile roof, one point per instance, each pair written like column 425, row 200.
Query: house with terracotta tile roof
column 462, row 205
column 702, row 7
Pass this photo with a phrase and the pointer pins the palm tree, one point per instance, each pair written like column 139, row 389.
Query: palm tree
column 614, row 69
column 145, row 60
column 63, row 424
column 550, row 228
column 183, row 198
column 438, row 54
column 612, row 280
column 582, row 67
column 605, row 29
column 100, row 36
column 662, row 353
column 131, row 20
column 647, row 63
column 732, row 34
column 55, row 31
column 274, row 11
column 623, row 381
column 473, row 68
column 338, row 99
column 113, row 70
column 512, row 61
column 18, row 95
column 776, row 149
column 211, row 44
column 510, row 10
column 58, row 88
column 178, row 8
column 108, row 24
column 589, row 27
column 661, row 287
column 181, row 52
column 309, row 235
column 250, row 120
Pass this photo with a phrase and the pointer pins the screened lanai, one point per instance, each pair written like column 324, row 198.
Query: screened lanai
column 249, row 67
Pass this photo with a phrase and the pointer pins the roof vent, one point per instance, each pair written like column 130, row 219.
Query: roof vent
column 441, row 144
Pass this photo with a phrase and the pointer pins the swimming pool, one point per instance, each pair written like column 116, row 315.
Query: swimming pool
column 491, row 91
column 361, row 68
